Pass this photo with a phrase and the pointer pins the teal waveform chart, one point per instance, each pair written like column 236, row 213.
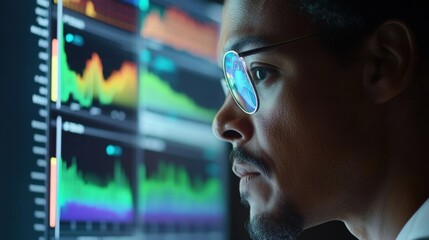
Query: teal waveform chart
column 84, row 199
column 172, row 191
column 95, row 180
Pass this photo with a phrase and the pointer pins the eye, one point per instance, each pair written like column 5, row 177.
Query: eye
column 260, row 74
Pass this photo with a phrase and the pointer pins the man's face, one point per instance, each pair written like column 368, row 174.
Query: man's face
column 309, row 149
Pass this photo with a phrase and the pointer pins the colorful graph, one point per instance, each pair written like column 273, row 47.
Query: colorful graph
column 117, row 89
column 87, row 198
column 170, row 195
column 158, row 94
column 108, row 11
column 176, row 28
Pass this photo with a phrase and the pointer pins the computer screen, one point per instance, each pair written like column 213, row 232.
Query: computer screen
column 107, row 120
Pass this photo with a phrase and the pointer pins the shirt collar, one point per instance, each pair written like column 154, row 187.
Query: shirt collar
column 418, row 225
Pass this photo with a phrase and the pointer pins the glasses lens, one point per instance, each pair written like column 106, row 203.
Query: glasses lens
column 239, row 82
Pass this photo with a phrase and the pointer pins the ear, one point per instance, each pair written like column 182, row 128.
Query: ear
column 391, row 61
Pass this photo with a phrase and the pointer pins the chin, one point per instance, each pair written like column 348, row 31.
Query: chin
column 283, row 222
column 275, row 227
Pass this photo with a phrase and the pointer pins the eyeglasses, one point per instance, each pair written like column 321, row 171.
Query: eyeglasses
column 237, row 77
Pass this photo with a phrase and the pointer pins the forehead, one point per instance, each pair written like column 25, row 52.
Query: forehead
column 267, row 20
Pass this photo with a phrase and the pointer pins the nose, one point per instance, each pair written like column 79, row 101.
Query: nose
column 231, row 124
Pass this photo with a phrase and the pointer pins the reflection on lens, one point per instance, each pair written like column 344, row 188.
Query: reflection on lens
column 239, row 82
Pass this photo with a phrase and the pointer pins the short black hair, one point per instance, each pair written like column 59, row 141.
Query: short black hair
column 350, row 21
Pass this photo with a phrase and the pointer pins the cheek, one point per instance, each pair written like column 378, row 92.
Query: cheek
column 284, row 131
column 299, row 137
column 297, row 175
column 281, row 138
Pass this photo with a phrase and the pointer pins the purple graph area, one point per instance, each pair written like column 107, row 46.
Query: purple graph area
column 79, row 212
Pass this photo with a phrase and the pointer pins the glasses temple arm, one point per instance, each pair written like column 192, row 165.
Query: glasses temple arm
column 256, row 50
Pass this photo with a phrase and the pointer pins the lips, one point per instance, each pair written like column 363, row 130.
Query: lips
column 244, row 171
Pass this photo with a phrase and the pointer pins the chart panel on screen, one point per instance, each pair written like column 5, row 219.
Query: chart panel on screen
column 92, row 183
column 182, row 191
column 175, row 189
column 183, row 31
column 170, row 88
column 96, row 77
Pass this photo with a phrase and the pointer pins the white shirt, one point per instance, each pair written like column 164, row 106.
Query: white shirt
column 418, row 225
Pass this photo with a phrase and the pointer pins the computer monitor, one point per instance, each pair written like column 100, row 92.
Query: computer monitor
column 112, row 127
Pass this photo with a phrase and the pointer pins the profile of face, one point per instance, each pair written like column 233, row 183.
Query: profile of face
column 307, row 155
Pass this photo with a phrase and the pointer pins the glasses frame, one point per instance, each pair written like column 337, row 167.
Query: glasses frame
column 241, row 55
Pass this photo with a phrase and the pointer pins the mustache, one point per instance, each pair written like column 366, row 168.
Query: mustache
column 242, row 156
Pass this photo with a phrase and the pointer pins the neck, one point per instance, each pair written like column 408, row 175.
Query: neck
column 404, row 188
column 388, row 213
